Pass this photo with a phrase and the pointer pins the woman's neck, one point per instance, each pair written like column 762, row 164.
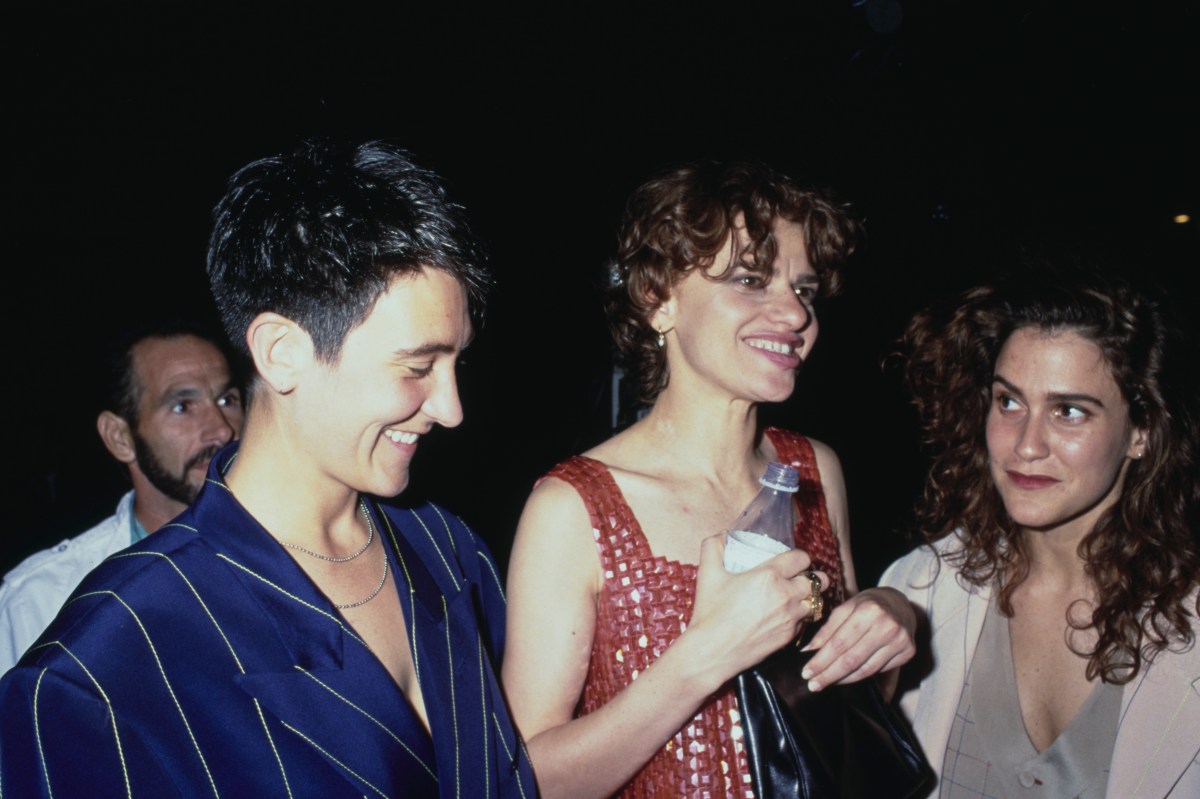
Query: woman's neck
column 1054, row 559
column 715, row 439
column 289, row 498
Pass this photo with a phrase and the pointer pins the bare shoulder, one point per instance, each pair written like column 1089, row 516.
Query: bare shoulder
column 828, row 462
column 556, row 509
column 553, row 506
column 832, row 480
column 554, row 541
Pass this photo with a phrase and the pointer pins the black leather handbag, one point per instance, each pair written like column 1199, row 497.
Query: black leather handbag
column 843, row 742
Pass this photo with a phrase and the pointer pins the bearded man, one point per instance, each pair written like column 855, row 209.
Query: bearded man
column 171, row 403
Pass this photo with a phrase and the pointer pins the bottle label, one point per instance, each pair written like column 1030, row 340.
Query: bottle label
column 745, row 550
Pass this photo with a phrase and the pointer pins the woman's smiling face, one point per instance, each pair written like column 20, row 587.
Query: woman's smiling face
column 393, row 381
column 744, row 334
column 1059, row 436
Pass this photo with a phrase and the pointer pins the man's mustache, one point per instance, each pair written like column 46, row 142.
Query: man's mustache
column 201, row 458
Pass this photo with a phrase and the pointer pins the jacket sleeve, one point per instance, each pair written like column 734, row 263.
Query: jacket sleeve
column 60, row 738
column 480, row 569
column 916, row 576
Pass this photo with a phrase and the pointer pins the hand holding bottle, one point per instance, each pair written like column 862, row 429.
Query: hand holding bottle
column 745, row 617
column 767, row 525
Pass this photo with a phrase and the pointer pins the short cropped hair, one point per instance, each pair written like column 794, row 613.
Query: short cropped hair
column 317, row 234
column 121, row 390
column 1143, row 553
column 681, row 220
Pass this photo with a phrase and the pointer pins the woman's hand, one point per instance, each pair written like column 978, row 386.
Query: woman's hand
column 869, row 633
column 743, row 618
column 737, row 620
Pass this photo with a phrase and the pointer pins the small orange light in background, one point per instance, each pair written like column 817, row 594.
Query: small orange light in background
column 1182, row 219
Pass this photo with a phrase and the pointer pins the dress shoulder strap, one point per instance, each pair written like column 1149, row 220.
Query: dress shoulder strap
column 794, row 450
column 614, row 526
column 814, row 533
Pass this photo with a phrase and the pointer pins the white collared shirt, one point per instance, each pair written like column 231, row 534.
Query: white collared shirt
column 32, row 593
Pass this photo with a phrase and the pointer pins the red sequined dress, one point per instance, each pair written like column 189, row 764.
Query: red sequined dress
column 646, row 603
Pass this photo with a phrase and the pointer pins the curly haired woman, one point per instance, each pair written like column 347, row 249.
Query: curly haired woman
column 624, row 628
column 1061, row 568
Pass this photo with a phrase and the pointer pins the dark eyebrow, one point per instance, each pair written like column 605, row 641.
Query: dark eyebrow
column 425, row 350
column 186, row 391
column 181, row 393
column 1077, row 398
column 1007, row 385
column 1054, row 397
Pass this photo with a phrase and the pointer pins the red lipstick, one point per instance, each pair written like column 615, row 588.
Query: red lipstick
column 1030, row 481
column 789, row 360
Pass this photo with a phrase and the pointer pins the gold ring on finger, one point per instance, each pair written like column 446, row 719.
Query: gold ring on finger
column 815, row 580
column 816, row 604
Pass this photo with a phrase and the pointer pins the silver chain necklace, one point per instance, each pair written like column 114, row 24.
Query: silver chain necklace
column 362, row 505
column 330, row 559
column 378, row 588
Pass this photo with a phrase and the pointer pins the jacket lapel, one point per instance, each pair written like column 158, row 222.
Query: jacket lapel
column 1159, row 734
column 314, row 675
column 449, row 653
column 974, row 611
column 356, row 719
column 338, row 697
column 324, row 685
column 957, row 610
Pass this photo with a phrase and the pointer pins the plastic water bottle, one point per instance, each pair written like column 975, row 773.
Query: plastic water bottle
column 767, row 525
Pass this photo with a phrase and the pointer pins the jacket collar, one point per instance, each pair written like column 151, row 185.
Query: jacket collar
column 326, row 686
column 323, row 682
column 1159, row 733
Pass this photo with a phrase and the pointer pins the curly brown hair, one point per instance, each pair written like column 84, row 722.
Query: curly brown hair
column 681, row 219
column 1143, row 555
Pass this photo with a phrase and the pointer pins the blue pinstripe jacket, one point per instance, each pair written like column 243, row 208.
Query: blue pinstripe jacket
column 203, row 662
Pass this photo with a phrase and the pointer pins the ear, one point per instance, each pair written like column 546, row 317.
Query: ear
column 663, row 318
column 280, row 349
column 116, row 435
column 1139, row 439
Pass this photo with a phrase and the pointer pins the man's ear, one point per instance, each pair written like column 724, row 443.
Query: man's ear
column 116, row 435
column 280, row 349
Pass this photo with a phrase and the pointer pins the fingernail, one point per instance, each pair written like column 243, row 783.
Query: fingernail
column 806, row 674
column 814, row 686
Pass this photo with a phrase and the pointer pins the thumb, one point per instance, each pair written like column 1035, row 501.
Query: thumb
column 712, row 554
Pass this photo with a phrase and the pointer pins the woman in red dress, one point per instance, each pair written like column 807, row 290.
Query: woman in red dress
column 624, row 628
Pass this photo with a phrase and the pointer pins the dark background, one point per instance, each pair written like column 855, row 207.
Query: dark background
column 963, row 132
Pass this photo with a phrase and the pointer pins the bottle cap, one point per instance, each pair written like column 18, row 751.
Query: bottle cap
column 781, row 477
